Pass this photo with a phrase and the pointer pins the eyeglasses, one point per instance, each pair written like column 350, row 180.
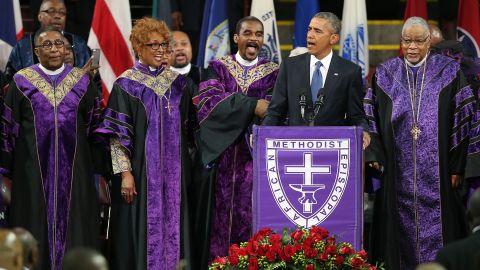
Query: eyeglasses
column 156, row 46
column 419, row 42
column 48, row 45
column 51, row 11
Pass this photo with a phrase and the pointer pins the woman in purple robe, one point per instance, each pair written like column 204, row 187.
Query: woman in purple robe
column 50, row 113
column 232, row 98
column 147, row 122
column 420, row 111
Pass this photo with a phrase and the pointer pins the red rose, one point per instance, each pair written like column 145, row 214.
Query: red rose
column 271, row 255
column 308, row 242
column 233, row 250
column 310, row 253
column 275, row 238
column 331, row 241
column 323, row 257
column 252, row 247
column 320, row 231
column 332, row 250
column 346, row 250
column 356, row 262
column 297, row 235
column 265, row 231
column 363, row 254
column 220, row 260
column 233, row 259
column 242, row 252
column 372, row 267
column 288, row 252
column 276, row 248
column 309, row 267
column 253, row 264
column 339, row 260
column 261, row 234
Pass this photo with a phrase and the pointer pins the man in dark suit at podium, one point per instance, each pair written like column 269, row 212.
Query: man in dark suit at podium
column 319, row 88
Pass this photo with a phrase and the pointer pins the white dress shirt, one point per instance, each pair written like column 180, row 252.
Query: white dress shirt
column 323, row 69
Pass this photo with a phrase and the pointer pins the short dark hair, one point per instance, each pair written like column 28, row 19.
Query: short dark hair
column 45, row 30
column 246, row 19
column 81, row 259
column 334, row 21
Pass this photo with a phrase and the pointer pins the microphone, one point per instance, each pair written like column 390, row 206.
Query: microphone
column 320, row 101
column 303, row 104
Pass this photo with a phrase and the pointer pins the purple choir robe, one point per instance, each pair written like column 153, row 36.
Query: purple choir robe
column 47, row 136
column 226, row 112
column 416, row 210
column 148, row 111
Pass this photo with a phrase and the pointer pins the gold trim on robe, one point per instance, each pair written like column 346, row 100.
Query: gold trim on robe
column 120, row 160
column 54, row 95
column 253, row 74
column 159, row 84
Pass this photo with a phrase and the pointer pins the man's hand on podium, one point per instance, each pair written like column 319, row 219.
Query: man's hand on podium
column 366, row 140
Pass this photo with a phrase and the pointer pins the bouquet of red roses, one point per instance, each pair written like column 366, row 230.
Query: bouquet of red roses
column 309, row 249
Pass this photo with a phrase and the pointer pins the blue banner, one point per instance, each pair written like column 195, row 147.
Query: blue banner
column 7, row 23
column 304, row 12
column 214, row 38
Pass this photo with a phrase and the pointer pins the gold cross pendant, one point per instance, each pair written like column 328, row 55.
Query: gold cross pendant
column 415, row 131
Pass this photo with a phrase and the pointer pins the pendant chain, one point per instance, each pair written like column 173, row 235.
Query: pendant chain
column 414, row 102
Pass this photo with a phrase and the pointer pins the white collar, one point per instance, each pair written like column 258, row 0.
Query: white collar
column 325, row 61
column 244, row 62
column 417, row 64
column 183, row 70
column 52, row 72
column 476, row 229
column 149, row 67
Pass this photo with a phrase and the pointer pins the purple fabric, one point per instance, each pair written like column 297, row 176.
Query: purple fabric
column 368, row 106
column 56, row 153
column 94, row 116
column 211, row 92
column 474, row 145
column 421, row 233
column 232, row 215
column 464, row 103
column 163, row 168
column 8, row 126
column 118, row 124
column 280, row 196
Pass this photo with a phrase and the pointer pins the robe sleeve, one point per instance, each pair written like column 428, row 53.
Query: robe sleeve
column 473, row 153
column 374, row 151
column 223, row 115
column 464, row 105
column 120, row 160
column 9, row 126
column 117, row 127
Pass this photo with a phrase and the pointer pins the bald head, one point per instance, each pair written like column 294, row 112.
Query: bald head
column 10, row 251
column 29, row 246
column 430, row 266
column 52, row 13
column 84, row 259
column 435, row 34
column 473, row 211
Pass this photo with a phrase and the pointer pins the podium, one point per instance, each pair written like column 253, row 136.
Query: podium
column 305, row 176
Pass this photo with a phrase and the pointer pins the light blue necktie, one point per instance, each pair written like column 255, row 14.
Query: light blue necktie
column 317, row 81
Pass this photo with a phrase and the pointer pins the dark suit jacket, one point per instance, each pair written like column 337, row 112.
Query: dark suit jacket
column 342, row 92
column 461, row 255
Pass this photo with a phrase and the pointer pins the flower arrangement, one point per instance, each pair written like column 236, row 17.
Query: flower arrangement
column 309, row 249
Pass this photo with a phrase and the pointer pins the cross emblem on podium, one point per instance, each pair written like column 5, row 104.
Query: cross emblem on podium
column 308, row 188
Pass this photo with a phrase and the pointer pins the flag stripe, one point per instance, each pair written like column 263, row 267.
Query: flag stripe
column 108, row 34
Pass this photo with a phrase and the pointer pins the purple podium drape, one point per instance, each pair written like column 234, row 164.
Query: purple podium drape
column 305, row 176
